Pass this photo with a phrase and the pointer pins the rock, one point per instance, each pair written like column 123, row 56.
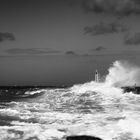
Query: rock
column 82, row 137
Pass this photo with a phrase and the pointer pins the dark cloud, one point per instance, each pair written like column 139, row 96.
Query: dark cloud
column 31, row 51
column 132, row 39
column 115, row 7
column 100, row 48
column 105, row 28
column 70, row 53
column 6, row 36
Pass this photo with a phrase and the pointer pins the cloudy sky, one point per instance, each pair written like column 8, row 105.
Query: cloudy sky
column 55, row 42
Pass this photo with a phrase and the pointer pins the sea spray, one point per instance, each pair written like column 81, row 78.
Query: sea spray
column 122, row 73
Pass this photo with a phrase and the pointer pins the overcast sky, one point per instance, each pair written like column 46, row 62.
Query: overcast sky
column 55, row 42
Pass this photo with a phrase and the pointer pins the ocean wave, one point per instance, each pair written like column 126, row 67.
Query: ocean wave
column 100, row 110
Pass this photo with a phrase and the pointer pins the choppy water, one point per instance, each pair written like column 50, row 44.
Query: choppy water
column 88, row 109
column 96, row 109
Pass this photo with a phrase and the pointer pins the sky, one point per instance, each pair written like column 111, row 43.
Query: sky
column 63, row 42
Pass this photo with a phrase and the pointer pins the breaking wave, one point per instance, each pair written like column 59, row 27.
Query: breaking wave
column 122, row 74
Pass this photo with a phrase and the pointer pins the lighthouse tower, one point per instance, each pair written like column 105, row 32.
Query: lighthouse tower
column 96, row 76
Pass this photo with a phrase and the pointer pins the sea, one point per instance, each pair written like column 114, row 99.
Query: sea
column 98, row 109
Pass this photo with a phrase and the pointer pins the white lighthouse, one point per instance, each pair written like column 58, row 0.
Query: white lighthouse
column 96, row 76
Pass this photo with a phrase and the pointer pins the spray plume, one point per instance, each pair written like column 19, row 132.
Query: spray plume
column 121, row 74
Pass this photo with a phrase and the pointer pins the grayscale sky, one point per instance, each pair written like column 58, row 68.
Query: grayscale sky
column 56, row 42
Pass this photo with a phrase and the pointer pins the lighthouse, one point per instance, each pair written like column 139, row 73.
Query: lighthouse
column 96, row 76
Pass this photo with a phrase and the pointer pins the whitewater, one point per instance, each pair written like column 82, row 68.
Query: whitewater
column 95, row 109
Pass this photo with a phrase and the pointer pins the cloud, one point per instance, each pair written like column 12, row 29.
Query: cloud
column 31, row 51
column 115, row 7
column 100, row 48
column 105, row 28
column 70, row 53
column 132, row 39
column 6, row 36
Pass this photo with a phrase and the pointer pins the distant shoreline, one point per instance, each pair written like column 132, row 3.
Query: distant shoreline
column 31, row 87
